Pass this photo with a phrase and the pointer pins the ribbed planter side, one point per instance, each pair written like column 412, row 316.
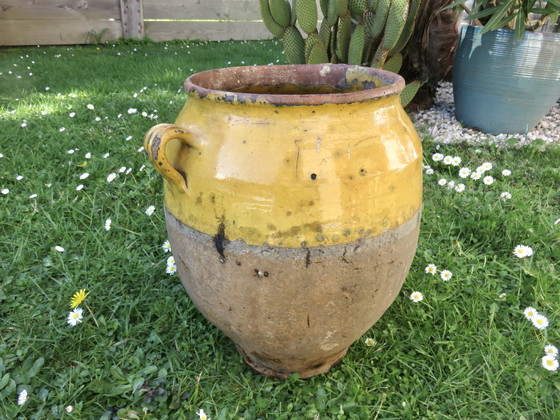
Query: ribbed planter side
column 502, row 85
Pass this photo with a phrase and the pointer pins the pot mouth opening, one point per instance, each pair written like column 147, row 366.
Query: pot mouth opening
column 300, row 84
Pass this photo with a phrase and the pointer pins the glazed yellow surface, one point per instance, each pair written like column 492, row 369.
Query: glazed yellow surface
column 293, row 176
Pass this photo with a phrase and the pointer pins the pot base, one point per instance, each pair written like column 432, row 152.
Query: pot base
column 319, row 366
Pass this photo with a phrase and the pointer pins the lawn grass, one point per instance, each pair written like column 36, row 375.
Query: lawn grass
column 143, row 351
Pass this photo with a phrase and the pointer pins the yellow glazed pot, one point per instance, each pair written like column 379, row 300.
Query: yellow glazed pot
column 293, row 197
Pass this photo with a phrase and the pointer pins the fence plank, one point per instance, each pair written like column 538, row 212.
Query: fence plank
column 132, row 18
column 57, row 32
column 202, row 9
column 208, row 31
column 59, row 9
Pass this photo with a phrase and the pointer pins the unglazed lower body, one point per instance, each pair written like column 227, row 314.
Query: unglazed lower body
column 293, row 310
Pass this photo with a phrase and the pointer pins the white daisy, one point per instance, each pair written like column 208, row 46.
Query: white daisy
column 447, row 160
column 69, row 409
column 550, row 363
column 486, row 166
column 202, row 415
column 72, row 114
column 416, row 297
column 505, row 195
column 59, row 248
column 429, row 171
column 530, row 313
column 551, row 350
column 460, row 188
column 488, row 180
column 540, row 321
column 523, row 251
column 108, row 224
column 5, row 191
column 442, row 182
column 23, row 396
column 506, row 172
column 431, row 269
column 150, row 210
column 90, row 106
column 369, row 342
column 111, row 177
column 446, row 275
column 475, row 176
column 166, row 246
column 80, row 187
column 456, row 161
column 171, row 269
column 84, row 175
column 464, row 172
column 437, row 157
column 75, row 316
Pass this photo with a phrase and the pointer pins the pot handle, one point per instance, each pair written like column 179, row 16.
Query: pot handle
column 155, row 143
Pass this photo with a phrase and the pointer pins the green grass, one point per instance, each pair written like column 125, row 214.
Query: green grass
column 464, row 352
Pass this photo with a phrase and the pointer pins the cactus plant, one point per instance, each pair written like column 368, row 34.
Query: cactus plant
column 361, row 32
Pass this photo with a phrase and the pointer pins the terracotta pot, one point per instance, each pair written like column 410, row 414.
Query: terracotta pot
column 293, row 197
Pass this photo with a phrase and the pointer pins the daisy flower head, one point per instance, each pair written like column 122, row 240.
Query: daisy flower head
column 551, row 350
column 416, row 297
column 429, row 171
column 456, row 161
column 75, row 317
column 171, row 260
column 460, row 188
column 166, row 246
column 111, row 177
column 522, row 251
column 450, row 185
column 488, row 180
column 5, row 191
column 530, row 313
column 446, row 275
column 202, row 415
column 437, row 157
column 80, row 187
column 442, row 182
column 475, row 176
column 23, row 396
column 69, row 409
column 171, row 269
column 90, row 106
column 540, row 321
column 78, row 298
column 150, row 210
column 369, row 342
column 486, row 166
column 59, row 248
column 506, row 172
column 108, row 224
column 84, row 175
column 464, row 172
column 505, row 195
column 448, row 160
column 431, row 269
column 550, row 363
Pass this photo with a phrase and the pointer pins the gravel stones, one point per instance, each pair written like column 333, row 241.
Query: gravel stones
column 439, row 121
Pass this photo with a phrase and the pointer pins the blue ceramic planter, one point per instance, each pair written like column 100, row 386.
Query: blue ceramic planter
column 502, row 85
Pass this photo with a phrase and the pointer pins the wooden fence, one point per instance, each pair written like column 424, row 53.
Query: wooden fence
column 51, row 22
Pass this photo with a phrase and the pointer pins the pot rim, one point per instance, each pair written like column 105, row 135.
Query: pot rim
column 551, row 36
column 219, row 84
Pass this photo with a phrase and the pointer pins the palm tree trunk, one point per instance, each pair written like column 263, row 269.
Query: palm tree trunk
column 429, row 54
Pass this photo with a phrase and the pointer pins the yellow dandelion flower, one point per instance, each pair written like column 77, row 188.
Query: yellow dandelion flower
column 78, row 298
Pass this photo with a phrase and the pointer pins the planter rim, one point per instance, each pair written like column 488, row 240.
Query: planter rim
column 227, row 84
column 511, row 32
